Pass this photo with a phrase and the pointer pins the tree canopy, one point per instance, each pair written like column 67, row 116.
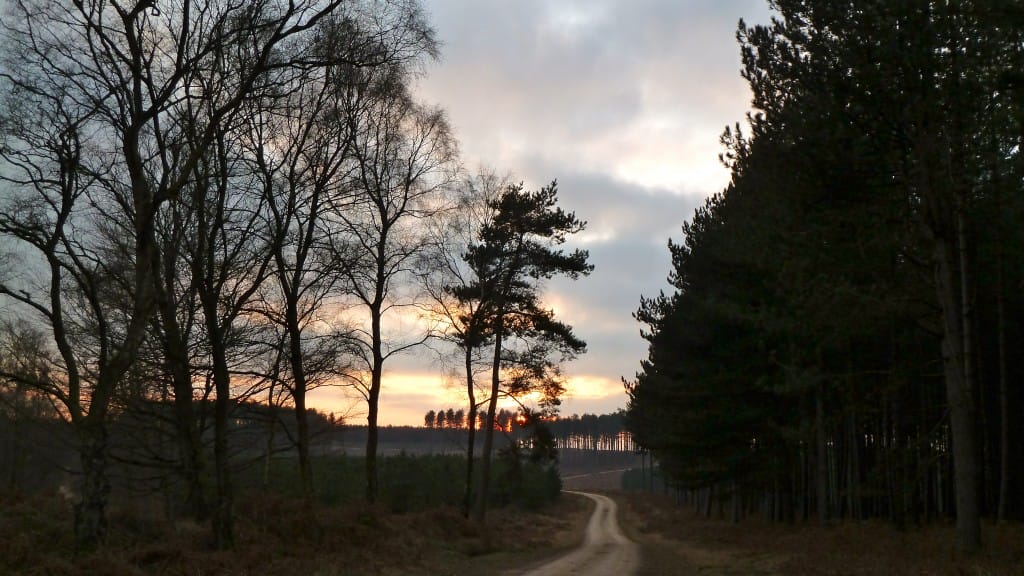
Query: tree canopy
column 835, row 340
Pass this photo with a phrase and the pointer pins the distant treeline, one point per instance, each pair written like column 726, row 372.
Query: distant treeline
column 589, row 431
column 593, row 432
column 38, row 446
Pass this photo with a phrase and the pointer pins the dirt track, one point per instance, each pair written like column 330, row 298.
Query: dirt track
column 603, row 481
column 605, row 550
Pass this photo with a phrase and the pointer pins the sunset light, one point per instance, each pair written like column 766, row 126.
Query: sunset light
column 520, row 287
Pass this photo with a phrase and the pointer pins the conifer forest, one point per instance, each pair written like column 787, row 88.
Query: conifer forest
column 843, row 333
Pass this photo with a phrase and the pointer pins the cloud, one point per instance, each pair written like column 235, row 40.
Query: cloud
column 623, row 103
column 639, row 90
column 631, row 226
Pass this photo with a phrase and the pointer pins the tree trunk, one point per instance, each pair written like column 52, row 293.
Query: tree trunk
column 377, row 367
column 467, row 503
column 302, row 441
column 958, row 373
column 1004, row 408
column 299, row 397
column 223, row 515
column 853, row 463
column 90, row 511
column 736, row 502
column 15, row 442
column 821, row 454
column 372, row 438
column 492, row 408
column 190, row 447
column 191, row 450
column 373, row 405
column 271, row 430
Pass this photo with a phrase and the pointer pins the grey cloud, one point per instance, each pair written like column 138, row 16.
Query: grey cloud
column 608, row 405
column 520, row 78
column 594, row 93
column 608, row 204
column 634, row 262
column 667, row 50
column 600, row 307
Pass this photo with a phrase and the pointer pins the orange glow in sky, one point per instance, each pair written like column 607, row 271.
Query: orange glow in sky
column 406, row 397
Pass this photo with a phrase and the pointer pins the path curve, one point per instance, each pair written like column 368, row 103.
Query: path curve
column 605, row 551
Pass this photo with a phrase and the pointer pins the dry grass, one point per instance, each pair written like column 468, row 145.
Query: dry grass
column 850, row 549
column 279, row 537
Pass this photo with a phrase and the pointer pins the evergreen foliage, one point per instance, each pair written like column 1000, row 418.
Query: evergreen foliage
column 835, row 343
column 516, row 249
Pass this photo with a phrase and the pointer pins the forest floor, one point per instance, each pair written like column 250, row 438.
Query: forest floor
column 678, row 541
column 278, row 537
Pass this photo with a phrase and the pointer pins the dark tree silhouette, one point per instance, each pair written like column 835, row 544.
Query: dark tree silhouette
column 814, row 297
column 517, row 248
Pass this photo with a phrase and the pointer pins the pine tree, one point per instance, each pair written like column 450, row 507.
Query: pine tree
column 517, row 249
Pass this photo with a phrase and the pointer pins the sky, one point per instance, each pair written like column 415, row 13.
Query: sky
column 621, row 101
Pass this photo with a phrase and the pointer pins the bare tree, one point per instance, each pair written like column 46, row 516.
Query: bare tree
column 63, row 274
column 297, row 158
column 229, row 263
column 403, row 156
column 178, row 332
column 302, row 148
column 94, row 96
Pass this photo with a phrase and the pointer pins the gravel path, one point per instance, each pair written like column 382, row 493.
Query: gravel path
column 605, row 551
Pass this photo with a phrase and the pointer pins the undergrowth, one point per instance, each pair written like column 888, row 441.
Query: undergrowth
column 866, row 548
column 416, row 528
